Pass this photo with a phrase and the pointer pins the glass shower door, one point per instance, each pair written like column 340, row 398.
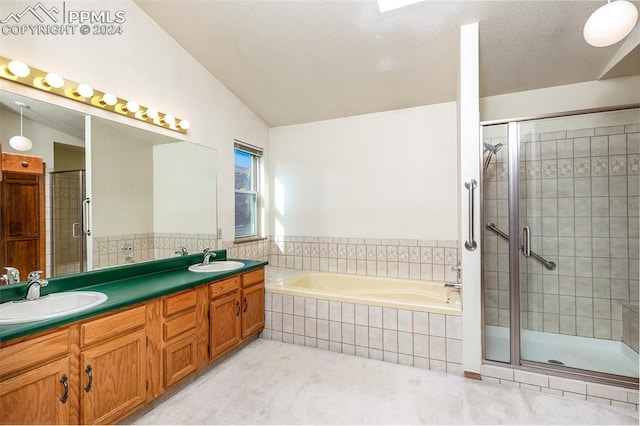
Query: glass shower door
column 579, row 230
column 495, row 246
column 68, row 246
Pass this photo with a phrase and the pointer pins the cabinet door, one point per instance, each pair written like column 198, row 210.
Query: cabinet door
column 225, row 323
column 38, row 396
column 252, row 310
column 113, row 378
column 179, row 360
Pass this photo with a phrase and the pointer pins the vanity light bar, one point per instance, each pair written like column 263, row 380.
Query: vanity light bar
column 21, row 73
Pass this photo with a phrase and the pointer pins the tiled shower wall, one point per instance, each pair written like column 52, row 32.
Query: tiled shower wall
column 579, row 195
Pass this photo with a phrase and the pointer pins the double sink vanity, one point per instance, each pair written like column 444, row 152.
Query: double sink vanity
column 96, row 346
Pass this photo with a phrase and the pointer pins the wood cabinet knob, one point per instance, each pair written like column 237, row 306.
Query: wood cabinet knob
column 25, row 164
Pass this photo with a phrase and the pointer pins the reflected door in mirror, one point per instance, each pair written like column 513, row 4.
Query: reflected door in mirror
column 22, row 213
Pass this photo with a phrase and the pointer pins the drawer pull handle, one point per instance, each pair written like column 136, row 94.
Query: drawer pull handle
column 64, row 380
column 238, row 307
column 246, row 305
column 89, row 372
column 24, row 164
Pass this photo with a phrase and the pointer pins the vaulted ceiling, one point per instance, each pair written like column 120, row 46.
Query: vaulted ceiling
column 297, row 61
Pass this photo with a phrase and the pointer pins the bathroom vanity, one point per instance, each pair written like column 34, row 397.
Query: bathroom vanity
column 160, row 324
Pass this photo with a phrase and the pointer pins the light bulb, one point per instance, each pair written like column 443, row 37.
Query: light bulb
column 610, row 23
column 184, row 124
column 169, row 119
column 109, row 99
column 152, row 113
column 84, row 90
column 20, row 143
column 19, row 69
column 132, row 106
column 53, row 80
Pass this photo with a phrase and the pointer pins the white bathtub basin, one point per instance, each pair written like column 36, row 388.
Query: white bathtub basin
column 219, row 266
column 51, row 306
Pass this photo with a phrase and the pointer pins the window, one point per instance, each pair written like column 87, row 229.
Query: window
column 247, row 184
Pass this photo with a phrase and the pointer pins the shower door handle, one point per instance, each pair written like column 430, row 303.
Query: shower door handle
column 86, row 226
column 471, row 244
column 526, row 241
column 75, row 227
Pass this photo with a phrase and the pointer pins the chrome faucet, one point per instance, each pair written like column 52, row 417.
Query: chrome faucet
column 208, row 254
column 182, row 252
column 12, row 276
column 455, row 284
column 34, row 285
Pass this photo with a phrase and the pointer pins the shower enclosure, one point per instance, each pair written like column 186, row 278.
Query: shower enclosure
column 560, row 279
column 68, row 248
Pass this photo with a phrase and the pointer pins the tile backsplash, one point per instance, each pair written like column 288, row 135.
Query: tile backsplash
column 396, row 258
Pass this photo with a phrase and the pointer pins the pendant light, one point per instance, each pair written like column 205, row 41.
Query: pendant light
column 610, row 23
column 20, row 143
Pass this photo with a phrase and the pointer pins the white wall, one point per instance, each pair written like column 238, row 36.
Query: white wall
column 382, row 175
column 145, row 64
column 570, row 97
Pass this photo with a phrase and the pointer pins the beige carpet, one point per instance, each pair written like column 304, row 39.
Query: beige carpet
column 269, row 382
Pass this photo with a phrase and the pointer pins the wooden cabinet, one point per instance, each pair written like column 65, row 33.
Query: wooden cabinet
column 224, row 312
column 180, row 343
column 39, row 380
column 113, row 366
column 236, row 310
column 22, row 213
column 102, row 369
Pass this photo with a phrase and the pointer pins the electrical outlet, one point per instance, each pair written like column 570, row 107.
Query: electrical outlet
column 127, row 249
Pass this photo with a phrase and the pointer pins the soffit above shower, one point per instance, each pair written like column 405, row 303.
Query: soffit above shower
column 300, row 61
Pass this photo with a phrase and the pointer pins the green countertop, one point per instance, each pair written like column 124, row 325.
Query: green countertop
column 125, row 286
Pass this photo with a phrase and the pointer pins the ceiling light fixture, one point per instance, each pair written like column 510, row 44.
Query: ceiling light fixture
column 610, row 23
column 21, row 143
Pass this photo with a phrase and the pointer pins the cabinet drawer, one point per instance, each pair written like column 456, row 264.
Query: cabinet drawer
column 253, row 277
column 179, row 325
column 224, row 286
column 34, row 351
column 21, row 164
column 178, row 303
column 111, row 325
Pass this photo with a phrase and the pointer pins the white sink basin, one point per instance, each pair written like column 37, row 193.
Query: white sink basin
column 219, row 266
column 50, row 306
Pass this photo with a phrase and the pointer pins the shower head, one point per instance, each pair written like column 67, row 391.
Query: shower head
column 493, row 149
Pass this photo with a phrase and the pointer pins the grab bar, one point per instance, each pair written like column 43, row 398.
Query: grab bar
column 471, row 185
column 547, row 263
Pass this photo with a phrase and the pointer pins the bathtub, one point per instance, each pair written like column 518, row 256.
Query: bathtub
column 424, row 296
column 414, row 323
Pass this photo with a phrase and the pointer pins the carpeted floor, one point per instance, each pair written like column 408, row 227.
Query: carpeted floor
column 269, row 382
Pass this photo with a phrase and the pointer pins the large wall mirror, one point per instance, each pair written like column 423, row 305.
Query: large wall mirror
column 114, row 194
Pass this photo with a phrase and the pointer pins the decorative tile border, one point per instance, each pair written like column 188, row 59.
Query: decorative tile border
column 602, row 394
column 430, row 260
